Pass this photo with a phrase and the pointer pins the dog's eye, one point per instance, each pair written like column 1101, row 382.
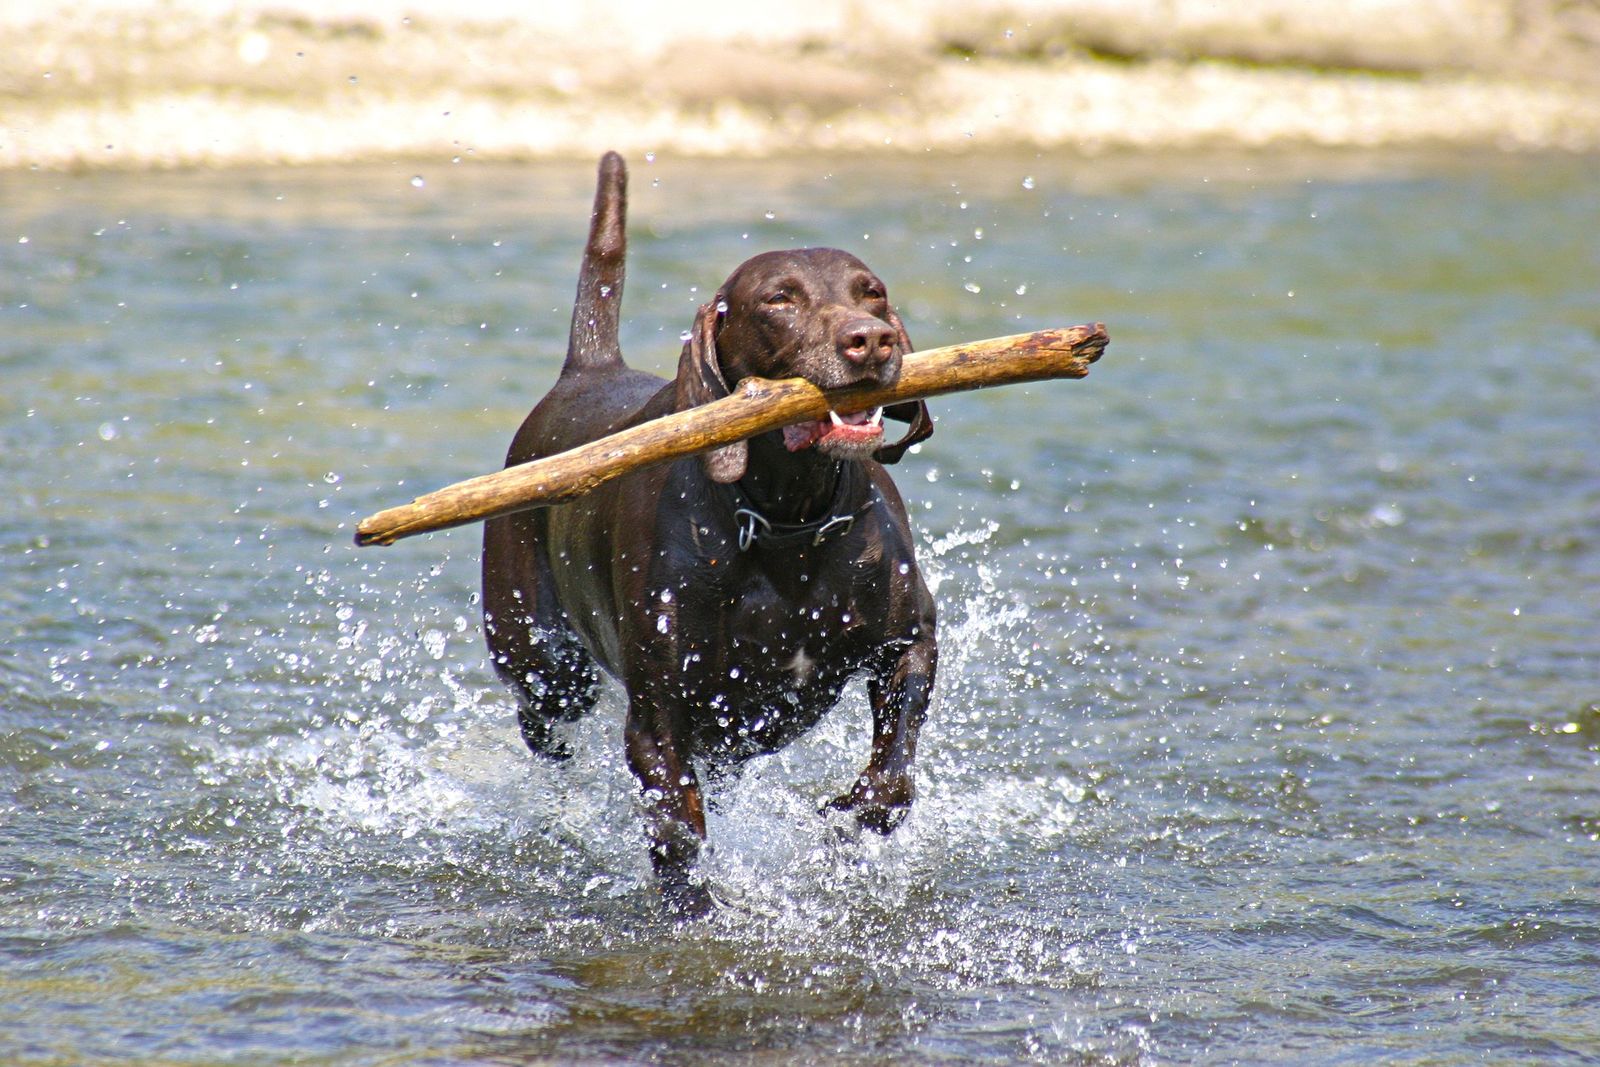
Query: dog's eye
column 874, row 292
column 780, row 296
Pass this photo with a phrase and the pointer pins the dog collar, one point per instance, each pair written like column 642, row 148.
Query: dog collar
column 755, row 527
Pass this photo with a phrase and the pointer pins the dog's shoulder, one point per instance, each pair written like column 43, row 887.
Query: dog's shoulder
column 884, row 495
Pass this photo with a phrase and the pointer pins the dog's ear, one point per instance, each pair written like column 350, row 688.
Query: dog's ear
column 700, row 381
column 913, row 411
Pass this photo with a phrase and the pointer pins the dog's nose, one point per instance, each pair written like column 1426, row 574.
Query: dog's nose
column 868, row 342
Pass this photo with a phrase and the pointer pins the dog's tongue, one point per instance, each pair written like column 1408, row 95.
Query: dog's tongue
column 861, row 428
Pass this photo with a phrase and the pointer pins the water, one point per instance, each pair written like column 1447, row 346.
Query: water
column 1269, row 713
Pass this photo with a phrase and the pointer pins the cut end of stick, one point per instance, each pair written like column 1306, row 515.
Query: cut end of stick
column 371, row 532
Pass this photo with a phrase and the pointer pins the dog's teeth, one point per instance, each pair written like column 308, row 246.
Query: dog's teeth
column 834, row 415
column 877, row 417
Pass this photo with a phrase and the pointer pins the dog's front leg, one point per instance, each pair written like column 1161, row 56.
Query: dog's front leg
column 882, row 793
column 675, row 817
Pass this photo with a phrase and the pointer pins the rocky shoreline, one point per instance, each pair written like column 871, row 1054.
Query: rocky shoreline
column 103, row 83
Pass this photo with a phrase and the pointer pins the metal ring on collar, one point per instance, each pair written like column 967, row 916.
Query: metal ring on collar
column 748, row 521
column 837, row 526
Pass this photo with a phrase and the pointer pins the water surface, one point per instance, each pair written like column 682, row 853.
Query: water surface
column 1268, row 720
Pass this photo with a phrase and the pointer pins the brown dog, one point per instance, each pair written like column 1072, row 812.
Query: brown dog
column 734, row 594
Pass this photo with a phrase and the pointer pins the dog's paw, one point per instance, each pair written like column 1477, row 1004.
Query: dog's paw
column 687, row 901
column 879, row 804
column 882, row 818
column 543, row 741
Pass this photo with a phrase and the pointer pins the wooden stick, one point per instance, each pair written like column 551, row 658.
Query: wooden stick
column 755, row 406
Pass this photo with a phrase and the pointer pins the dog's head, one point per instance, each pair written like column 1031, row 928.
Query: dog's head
column 813, row 313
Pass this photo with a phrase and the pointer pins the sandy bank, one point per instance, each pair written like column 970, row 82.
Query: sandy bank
column 191, row 82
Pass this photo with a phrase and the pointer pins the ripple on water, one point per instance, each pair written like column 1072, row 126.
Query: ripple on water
column 1265, row 723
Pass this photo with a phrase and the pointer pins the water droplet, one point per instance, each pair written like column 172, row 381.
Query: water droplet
column 1388, row 515
column 772, row 214
column 1027, row 182
column 417, row 182
column 649, row 157
column 107, row 431
column 331, row 478
column 973, row 287
column 1022, row 290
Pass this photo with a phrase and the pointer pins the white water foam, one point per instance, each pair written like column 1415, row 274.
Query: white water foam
column 432, row 766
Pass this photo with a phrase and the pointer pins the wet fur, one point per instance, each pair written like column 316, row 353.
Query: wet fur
column 724, row 654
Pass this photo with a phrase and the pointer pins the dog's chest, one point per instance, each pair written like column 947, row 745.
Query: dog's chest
column 780, row 666
column 799, row 612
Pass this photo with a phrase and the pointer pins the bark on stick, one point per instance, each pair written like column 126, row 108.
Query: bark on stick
column 755, row 406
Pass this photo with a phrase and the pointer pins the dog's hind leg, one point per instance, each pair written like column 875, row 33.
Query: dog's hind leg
column 532, row 647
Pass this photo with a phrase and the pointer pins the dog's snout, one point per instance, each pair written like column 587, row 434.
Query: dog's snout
column 869, row 342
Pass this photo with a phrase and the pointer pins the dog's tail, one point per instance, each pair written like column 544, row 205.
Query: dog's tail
column 593, row 341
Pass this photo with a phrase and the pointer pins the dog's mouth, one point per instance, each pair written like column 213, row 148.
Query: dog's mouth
column 842, row 436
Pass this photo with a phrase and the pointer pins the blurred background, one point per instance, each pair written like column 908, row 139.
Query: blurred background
column 173, row 82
